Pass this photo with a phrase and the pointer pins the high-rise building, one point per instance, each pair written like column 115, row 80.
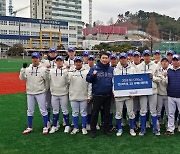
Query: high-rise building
column 2, row 7
column 63, row 10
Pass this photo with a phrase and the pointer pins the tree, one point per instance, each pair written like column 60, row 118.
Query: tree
column 127, row 13
column 16, row 50
column 152, row 28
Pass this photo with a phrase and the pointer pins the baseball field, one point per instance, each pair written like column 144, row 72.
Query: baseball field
column 13, row 122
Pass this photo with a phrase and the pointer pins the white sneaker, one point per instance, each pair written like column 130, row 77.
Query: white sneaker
column 45, row 130
column 88, row 127
column 84, row 131
column 67, row 129
column 53, row 130
column 75, row 131
column 148, row 124
column 178, row 128
column 132, row 132
column 27, row 130
column 48, row 124
column 119, row 133
column 58, row 125
column 97, row 127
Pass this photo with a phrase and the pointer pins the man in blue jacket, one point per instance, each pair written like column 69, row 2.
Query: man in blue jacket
column 173, row 92
column 101, row 78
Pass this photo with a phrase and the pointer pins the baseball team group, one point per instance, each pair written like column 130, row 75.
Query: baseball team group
column 77, row 90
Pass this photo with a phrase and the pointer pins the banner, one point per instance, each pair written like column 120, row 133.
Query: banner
column 132, row 85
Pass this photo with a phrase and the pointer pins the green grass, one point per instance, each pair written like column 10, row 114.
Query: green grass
column 13, row 122
column 12, row 65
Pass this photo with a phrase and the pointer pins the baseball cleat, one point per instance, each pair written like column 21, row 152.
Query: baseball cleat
column 142, row 133
column 84, row 131
column 27, row 130
column 75, row 131
column 132, row 132
column 168, row 133
column 119, row 133
column 67, row 129
column 53, row 130
column 157, row 133
column 45, row 130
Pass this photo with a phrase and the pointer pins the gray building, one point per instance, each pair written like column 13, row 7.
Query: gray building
column 64, row 10
column 2, row 7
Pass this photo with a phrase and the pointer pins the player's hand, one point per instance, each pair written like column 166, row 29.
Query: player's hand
column 165, row 74
column 151, row 75
column 25, row 65
column 88, row 101
column 94, row 72
column 48, row 66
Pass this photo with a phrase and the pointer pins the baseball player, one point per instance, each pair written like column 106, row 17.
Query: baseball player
column 130, row 55
column 173, row 92
column 162, row 92
column 169, row 55
column 79, row 94
column 69, row 63
column 125, row 69
column 130, row 61
column 113, row 63
column 91, row 62
column 85, row 59
column 135, row 63
column 149, row 67
column 50, row 63
column 59, row 91
column 157, row 57
column 36, row 81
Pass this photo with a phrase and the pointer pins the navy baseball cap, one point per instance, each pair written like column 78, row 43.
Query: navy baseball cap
column 78, row 58
column 71, row 49
column 156, row 52
column 113, row 56
column 176, row 57
column 164, row 58
column 59, row 58
column 86, row 53
column 146, row 52
column 137, row 54
column 170, row 52
column 91, row 57
column 130, row 52
column 123, row 54
column 35, row 54
column 52, row 50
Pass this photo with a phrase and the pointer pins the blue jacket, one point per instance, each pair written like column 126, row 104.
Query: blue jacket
column 102, row 81
column 173, row 87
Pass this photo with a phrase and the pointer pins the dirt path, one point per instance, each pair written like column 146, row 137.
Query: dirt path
column 10, row 83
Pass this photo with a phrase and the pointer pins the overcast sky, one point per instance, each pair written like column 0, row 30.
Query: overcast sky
column 105, row 9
